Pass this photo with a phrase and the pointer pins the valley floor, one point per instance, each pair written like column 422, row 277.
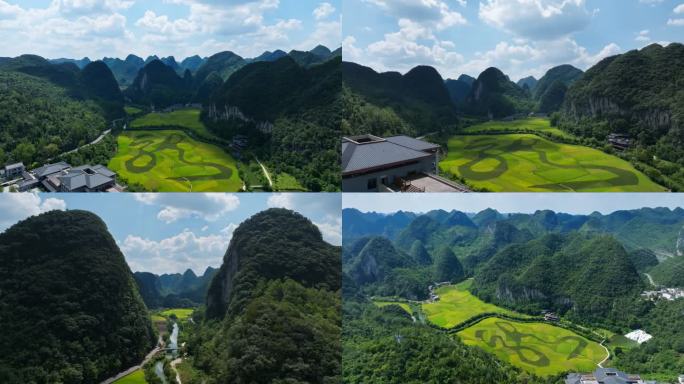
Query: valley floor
column 539, row 347
column 490, row 157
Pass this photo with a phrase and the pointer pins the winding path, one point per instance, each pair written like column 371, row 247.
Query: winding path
column 99, row 138
column 139, row 366
column 173, row 366
column 268, row 176
column 600, row 365
column 650, row 279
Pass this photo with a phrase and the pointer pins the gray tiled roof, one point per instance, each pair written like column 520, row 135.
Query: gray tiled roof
column 14, row 166
column 78, row 179
column 606, row 376
column 358, row 157
column 50, row 169
column 410, row 142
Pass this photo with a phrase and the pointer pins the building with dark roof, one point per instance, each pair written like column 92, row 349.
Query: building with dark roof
column 606, row 376
column 61, row 177
column 14, row 170
column 393, row 164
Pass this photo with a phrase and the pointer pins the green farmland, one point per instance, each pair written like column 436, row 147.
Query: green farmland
column 180, row 313
column 519, row 126
column 184, row 118
column 403, row 306
column 137, row 377
column 456, row 305
column 530, row 163
column 171, row 161
column 538, row 348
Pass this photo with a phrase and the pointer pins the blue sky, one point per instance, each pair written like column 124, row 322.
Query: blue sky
column 171, row 232
column 521, row 37
column 181, row 28
column 576, row 203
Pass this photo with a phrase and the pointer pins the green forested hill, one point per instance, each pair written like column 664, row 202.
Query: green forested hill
column 417, row 102
column 159, row 85
column 273, row 309
column 639, row 93
column 47, row 109
column 494, row 94
column 39, row 120
column 70, row 310
column 302, row 105
column 565, row 74
column 590, row 277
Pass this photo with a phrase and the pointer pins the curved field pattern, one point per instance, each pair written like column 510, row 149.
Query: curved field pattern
column 535, row 347
column 526, row 162
column 171, row 161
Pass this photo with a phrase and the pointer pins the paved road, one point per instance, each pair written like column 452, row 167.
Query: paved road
column 99, row 138
column 135, row 368
column 270, row 182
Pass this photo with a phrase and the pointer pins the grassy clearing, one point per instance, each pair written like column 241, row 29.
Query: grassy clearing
column 456, row 305
column 181, row 313
column 287, row 182
column 529, row 163
column 532, row 124
column 535, row 347
column 404, row 306
column 132, row 110
column 137, row 377
column 171, row 161
column 187, row 118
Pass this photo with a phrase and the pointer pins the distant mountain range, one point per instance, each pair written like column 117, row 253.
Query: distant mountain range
column 225, row 63
column 174, row 290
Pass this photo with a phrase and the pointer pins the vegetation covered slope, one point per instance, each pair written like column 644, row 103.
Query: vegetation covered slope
column 69, row 306
column 418, row 101
column 638, row 93
column 273, row 309
column 293, row 112
column 494, row 94
column 159, row 85
column 47, row 109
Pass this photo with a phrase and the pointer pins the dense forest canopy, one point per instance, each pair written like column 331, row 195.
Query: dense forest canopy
column 70, row 309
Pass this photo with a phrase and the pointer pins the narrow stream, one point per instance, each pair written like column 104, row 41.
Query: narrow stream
column 172, row 351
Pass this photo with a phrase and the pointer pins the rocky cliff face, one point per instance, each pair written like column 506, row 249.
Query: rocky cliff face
column 680, row 243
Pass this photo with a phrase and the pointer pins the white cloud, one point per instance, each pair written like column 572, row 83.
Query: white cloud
column 331, row 230
column 675, row 22
column 642, row 36
column 679, row 9
column 651, row 2
column 281, row 200
column 428, row 12
column 537, row 19
column 323, row 10
column 19, row 206
column 91, row 6
column 327, row 33
column 177, row 253
column 176, row 206
column 413, row 44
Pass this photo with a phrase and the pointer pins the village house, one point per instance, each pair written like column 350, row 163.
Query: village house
column 62, row 177
column 13, row 171
column 392, row 164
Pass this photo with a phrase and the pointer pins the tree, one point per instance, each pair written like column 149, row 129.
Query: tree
column 447, row 267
